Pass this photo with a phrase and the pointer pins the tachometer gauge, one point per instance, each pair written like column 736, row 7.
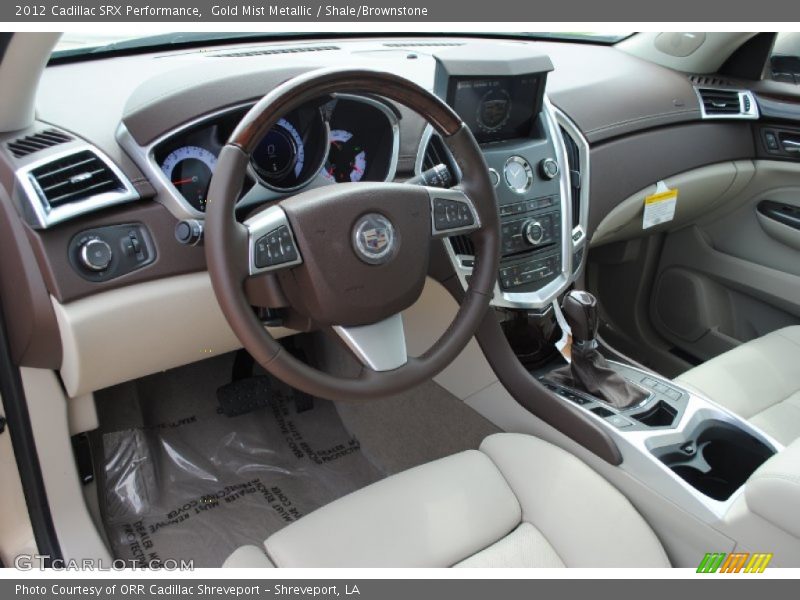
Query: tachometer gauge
column 189, row 168
column 347, row 159
column 280, row 152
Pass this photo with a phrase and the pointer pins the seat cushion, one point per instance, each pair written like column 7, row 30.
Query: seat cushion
column 519, row 501
column 430, row 516
column 588, row 522
column 523, row 547
column 248, row 557
column 759, row 381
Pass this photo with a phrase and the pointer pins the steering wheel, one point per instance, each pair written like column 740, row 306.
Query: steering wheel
column 351, row 256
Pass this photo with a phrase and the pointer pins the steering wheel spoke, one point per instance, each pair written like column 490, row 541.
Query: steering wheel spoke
column 380, row 346
column 271, row 242
column 452, row 212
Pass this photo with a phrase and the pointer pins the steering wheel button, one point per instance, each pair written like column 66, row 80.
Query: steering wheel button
column 465, row 215
column 262, row 253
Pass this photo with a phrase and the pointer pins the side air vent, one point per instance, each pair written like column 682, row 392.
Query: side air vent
column 267, row 51
column 727, row 104
column 72, row 184
column 73, row 178
column 38, row 141
column 422, row 44
column 574, row 163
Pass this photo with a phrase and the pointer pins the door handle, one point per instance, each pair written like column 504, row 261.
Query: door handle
column 780, row 212
column 791, row 145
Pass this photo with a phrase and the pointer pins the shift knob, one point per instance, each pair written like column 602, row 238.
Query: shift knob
column 580, row 310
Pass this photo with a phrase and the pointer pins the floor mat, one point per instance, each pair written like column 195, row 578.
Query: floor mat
column 198, row 486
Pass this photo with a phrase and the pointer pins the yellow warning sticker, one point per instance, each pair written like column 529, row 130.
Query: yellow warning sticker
column 659, row 207
column 668, row 195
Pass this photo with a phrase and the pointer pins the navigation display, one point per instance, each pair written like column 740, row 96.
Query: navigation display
column 496, row 108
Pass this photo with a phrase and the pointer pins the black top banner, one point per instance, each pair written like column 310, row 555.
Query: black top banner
column 404, row 11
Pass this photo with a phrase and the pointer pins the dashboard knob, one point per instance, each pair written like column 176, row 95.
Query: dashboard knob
column 533, row 232
column 548, row 168
column 189, row 232
column 96, row 255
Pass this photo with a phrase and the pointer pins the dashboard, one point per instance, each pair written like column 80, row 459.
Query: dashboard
column 344, row 138
column 609, row 125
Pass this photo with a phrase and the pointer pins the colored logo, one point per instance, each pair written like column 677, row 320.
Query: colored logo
column 374, row 239
column 736, row 562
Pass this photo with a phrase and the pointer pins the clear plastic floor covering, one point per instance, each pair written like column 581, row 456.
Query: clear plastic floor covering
column 199, row 487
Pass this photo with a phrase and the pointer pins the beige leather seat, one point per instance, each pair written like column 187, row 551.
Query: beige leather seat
column 518, row 502
column 759, row 381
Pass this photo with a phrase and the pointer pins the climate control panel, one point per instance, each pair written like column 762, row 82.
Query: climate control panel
column 529, row 273
column 528, row 231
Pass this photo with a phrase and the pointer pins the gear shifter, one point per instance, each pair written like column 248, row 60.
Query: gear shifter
column 589, row 370
column 580, row 310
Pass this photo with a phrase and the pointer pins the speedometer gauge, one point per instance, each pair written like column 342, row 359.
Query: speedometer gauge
column 189, row 168
column 347, row 159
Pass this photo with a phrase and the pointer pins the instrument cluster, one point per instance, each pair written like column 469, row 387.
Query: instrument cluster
column 328, row 141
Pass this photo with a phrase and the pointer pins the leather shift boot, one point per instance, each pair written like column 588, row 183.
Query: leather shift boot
column 590, row 372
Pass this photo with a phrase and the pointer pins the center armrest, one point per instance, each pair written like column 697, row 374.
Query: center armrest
column 773, row 491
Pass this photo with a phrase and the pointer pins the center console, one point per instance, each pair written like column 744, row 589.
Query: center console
column 504, row 105
column 692, row 451
column 681, row 444
column 673, row 441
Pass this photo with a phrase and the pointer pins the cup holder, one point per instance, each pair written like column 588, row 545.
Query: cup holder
column 716, row 459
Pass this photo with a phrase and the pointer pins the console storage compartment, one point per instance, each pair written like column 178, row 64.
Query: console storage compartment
column 716, row 457
column 659, row 414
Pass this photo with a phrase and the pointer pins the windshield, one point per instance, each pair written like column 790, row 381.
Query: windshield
column 79, row 43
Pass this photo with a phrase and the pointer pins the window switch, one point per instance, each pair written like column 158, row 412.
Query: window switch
column 771, row 140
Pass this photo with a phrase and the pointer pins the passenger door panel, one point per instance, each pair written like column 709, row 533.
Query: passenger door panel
column 734, row 275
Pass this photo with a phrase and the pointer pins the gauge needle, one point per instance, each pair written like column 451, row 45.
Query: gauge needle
column 187, row 180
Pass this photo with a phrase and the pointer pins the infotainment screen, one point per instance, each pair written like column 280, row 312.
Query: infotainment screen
column 496, row 108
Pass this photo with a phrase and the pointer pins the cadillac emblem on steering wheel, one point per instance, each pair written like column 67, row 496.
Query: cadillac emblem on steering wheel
column 374, row 239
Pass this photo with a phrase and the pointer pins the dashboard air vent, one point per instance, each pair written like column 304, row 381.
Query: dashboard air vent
column 712, row 80
column 462, row 245
column 727, row 104
column 436, row 153
column 267, row 51
column 38, row 141
column 574, row 163
column 421, row 44
column 73, row 178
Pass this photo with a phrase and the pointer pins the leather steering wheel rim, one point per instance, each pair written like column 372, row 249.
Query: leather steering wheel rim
column 227, row 244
